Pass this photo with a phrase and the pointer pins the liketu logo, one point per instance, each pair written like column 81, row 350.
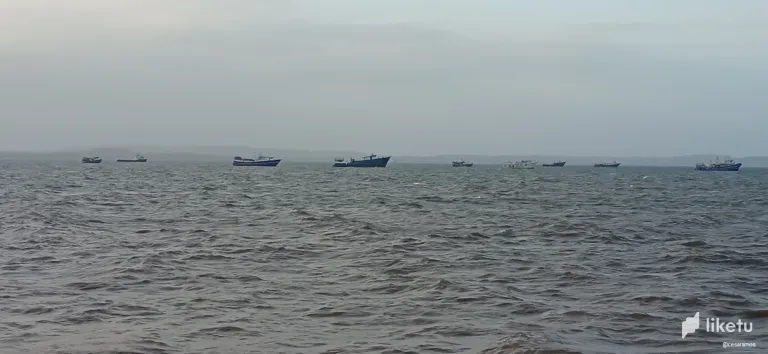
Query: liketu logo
column 691, row 324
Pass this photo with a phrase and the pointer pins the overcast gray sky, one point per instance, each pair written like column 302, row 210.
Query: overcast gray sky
column 588, row 77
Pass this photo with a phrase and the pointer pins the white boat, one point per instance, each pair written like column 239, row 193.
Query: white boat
column 259, row 161
column 522, row 165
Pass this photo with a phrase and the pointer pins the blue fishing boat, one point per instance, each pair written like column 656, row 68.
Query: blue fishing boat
column 367, row 161
column 727, row 165
column 95, row 159
column 264, row 161
column 555, row 164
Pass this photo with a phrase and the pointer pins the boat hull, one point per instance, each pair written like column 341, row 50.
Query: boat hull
column 265, row 163
column 93, row 161
column 724, row 168
column 134, row 160
column 607, row 164
column 556, row 164
column 377, row 162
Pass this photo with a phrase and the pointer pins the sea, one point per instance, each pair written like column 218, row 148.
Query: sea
column 304, row 258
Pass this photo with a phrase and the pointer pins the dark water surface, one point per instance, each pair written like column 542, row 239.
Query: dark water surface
column 184, row 258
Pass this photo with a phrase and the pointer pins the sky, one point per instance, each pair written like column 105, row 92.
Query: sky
column 416, row 77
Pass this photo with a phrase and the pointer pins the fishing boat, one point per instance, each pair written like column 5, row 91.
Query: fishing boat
column 94, row 159
column 521, row 165
column 261, row 160
column 555, row 164
column 139, row 158
column 726, row 165
column 368, row 161
column 608, row 164
column 462, row 163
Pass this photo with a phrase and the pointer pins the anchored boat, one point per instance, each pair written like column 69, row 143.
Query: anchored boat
column 727, row 165
column 94, row 159
column 265, row 161
column 521, row 165
column 367, row 161
column 462, row 163
column 139, row 158
column 555, row 164
column 608, row 164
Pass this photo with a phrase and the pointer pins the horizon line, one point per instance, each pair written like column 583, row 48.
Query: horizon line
column 182, row 147
column 418, row 156
column 74, row 149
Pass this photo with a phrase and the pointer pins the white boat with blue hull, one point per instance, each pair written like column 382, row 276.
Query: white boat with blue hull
column 263, row 161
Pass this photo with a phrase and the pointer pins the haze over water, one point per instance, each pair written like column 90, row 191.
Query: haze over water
column 206, row 258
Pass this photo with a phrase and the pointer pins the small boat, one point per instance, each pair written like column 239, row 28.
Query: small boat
column 555, row 164
column 727, row 165
column 367, row 161
column 608, row 164
column 94, row 159
column 462, row 163
column 261, row 160
column 521, row 165
column 139, row 158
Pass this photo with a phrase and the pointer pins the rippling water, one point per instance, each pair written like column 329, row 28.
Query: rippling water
column 151, row 258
